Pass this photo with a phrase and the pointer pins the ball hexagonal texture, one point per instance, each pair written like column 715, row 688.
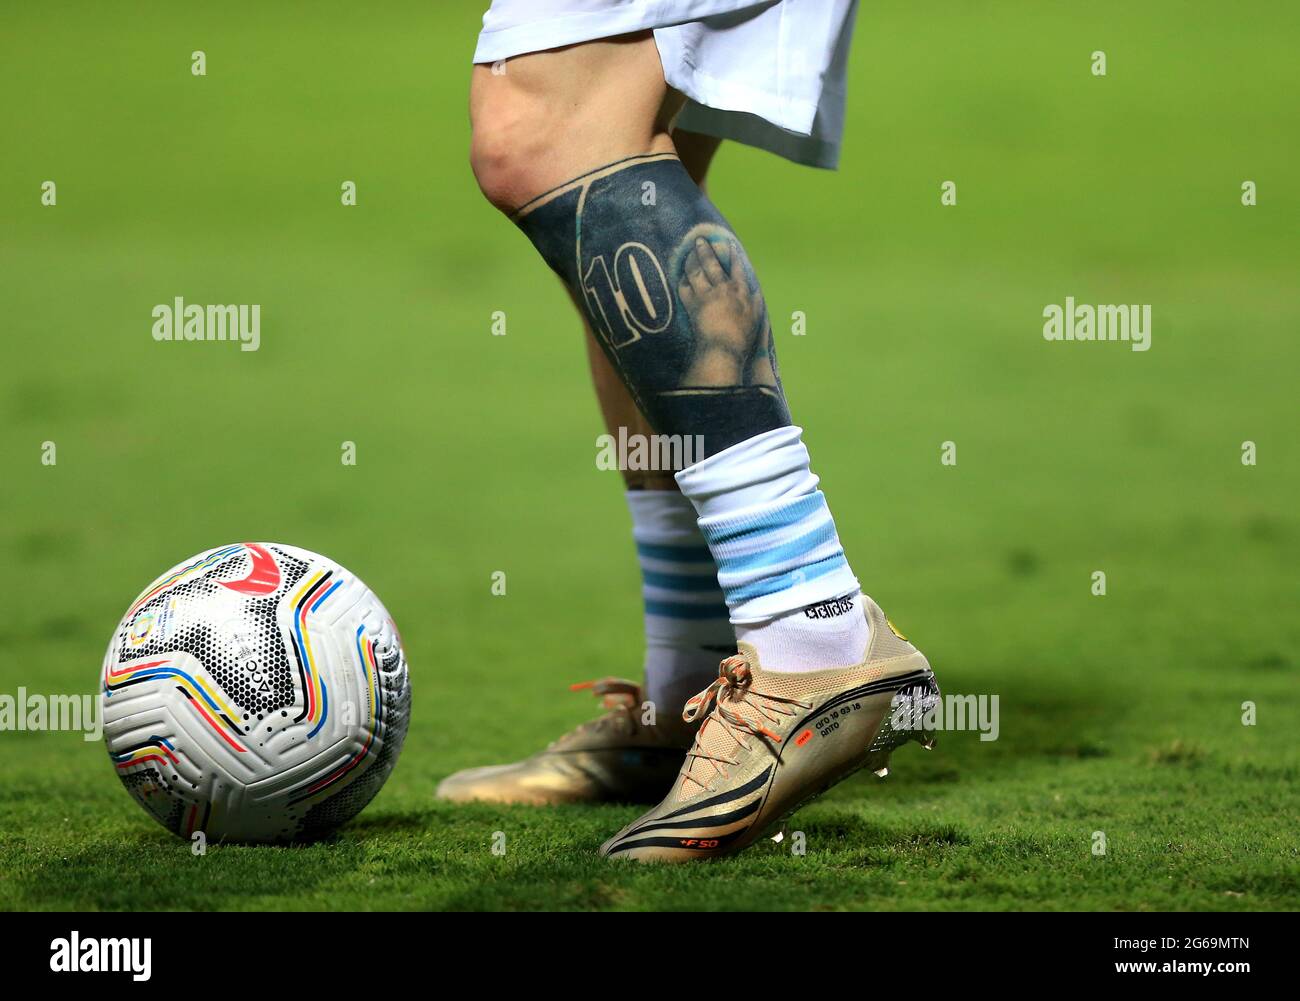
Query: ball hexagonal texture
column 256, row 692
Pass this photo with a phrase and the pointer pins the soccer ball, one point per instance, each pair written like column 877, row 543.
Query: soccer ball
column 257, row 692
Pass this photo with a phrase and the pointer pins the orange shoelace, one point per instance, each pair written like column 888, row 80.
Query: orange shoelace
column 612, row 692
column 734, row 684
column 618, row 697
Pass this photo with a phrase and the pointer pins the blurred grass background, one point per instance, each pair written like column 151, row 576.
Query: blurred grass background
column 475, row 453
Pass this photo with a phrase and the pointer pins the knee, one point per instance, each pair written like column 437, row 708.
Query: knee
column 506, row 152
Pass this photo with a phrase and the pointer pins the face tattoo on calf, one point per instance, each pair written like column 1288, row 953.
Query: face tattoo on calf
column 670, row 294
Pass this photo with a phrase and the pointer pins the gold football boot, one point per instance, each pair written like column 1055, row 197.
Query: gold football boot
column 613, row 758
column 774, row 740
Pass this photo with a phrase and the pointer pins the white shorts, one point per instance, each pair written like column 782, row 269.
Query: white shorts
column 769, row 74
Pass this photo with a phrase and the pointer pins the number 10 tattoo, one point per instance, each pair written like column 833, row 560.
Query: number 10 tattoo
column 670, row 294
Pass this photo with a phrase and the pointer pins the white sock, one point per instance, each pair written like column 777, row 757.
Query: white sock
column 779, row 559
column 831, row 634
column 687, row 631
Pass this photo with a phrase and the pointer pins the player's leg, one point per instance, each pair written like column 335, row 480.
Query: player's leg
column 687, row 629
column 540, row 119
column 626, row 754
column 576, row 145
column 686, row 625
column 674, row 302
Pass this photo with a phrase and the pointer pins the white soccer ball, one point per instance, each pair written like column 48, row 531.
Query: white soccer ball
column 257, row 692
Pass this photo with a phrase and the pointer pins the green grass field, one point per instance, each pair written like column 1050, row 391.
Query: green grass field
column 1119, row 714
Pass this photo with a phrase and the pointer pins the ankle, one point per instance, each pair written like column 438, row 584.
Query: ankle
column 824, row 636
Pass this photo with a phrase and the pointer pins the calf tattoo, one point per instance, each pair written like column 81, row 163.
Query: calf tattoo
column 670, row 294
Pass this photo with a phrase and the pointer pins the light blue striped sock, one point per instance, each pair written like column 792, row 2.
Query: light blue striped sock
column 779, row 557
column 686, row 622
column 791, row 593
column 768, row 527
